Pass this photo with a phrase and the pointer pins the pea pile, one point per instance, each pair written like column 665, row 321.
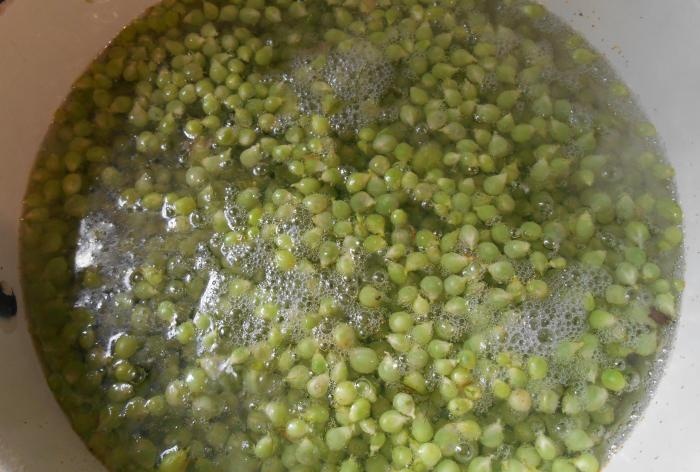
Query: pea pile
column 350, row 235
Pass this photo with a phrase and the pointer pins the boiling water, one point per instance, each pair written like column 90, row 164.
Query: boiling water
column 141, row 223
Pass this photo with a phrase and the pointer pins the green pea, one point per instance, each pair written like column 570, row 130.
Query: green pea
column 516, row 249
column 499, row 147
column 361, row 202
column 586, row 462
column 318, row 386
column 345, row 393
column 174, row 461
column 513, row 465
column 125, row 346
column 453, row 263
column 432, row 287
column 392, row 421
column 492, row 435
column 613, row 380
column 665, row 303
column 416, row 261
column 265, row 447
column 421, row 429
column 418, row 96
column 585, row 227
column 616, row 295
column 436, row 119
column 429, row 454
column 363, row 360
column 328, row 253
column 400, row 322
column 571, row 405
column 487, row 113
column 454, row 285
column 520, row 400
column 487, row 252
column 276, row 413
column 480, row 464
column 389, row 370
column 401, row 456
column 350, row 465
column 594, row 397
column 577, row 440
column 495, row 184
column 298, row 376
column 399, row 342
column 360, row 410
column 285, row 260
column 600, row 319
column 637, row 232
column 522, row 133
column 410, row 115
column 546, row 447
column 370, row 296
column 501, row 271
column 562, row 465
column 376, row 463
column 439, row 349
column 528, row 456
column 537, row 367
column 338, row 438
column 239, row 355
column 650, row 271
column 531, row 231
column 297, row 429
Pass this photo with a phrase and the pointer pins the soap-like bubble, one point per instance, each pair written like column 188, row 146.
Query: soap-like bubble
column 357, row 75
column 541, row 325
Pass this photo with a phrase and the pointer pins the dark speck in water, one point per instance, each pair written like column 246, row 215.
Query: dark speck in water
column 658, row 317
column 8, row 301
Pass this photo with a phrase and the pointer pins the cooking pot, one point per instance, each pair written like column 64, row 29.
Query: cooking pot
column 45, row 44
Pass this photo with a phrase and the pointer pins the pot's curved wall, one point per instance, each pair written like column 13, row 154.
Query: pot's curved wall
column 45, row 45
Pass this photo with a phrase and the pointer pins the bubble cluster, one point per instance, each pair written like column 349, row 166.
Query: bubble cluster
column 357, row 76
column 359, row 73
column 296, row 293
column 505, row 40
column 524, row 270
column 541, row 325
column 366, row 322
column 235, row 216
column 478, row 316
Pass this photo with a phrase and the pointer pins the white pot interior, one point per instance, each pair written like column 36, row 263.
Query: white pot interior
column 44, row 46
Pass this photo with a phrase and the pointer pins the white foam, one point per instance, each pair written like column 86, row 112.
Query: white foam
column 296, row 293
column 358, row 75
column 541, row 325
